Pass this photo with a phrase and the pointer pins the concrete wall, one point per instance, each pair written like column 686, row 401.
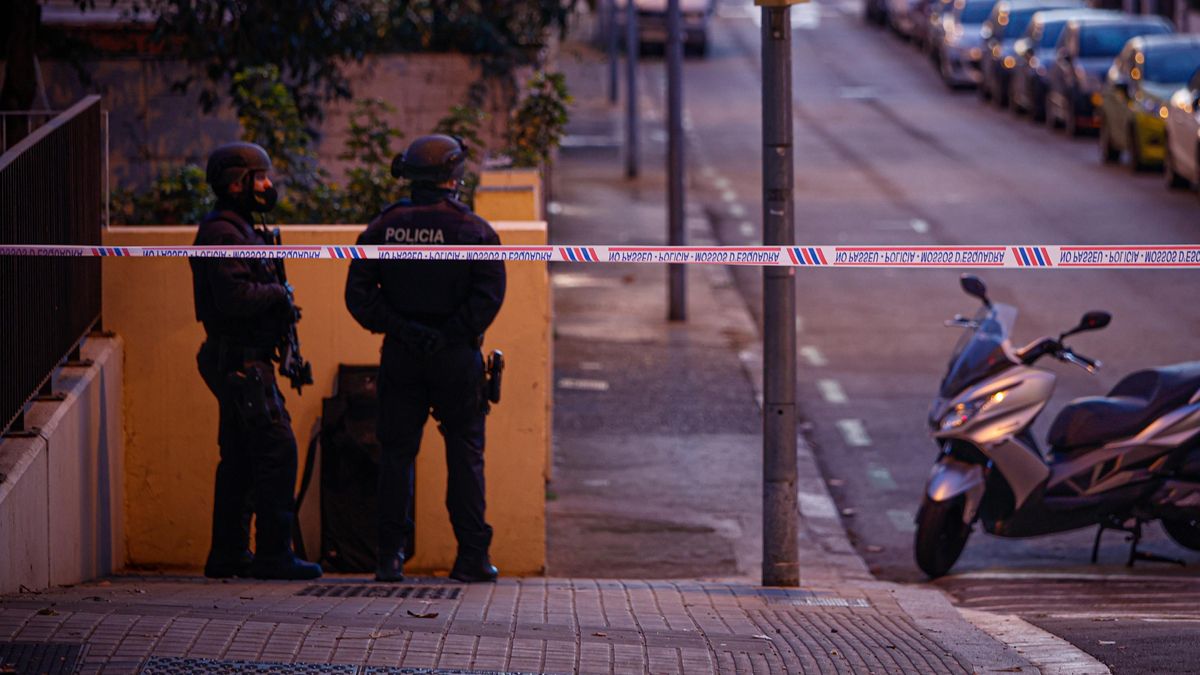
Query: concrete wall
column 147, row 119
column 61, row 503
column 171, row 419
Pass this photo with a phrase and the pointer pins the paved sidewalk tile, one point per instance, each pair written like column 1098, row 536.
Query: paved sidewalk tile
column 168, row 625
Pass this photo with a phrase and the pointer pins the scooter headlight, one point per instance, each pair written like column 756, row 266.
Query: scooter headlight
column 962, row 413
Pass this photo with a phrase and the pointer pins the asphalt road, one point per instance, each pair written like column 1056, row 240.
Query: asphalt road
column 886, row 154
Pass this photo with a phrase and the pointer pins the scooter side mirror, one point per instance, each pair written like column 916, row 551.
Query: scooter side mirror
column 1090, row 321
column 974, row 286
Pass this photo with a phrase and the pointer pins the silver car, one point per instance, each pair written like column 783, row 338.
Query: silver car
column 961, row 48
column 1181, row 162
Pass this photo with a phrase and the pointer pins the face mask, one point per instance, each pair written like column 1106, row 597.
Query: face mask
column 264, row 201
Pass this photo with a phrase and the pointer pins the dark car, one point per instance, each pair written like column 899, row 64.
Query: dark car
column 1136, row 93
column 1006, row 24
column 1085, row 52
column 1034, row 52
column 961, row 45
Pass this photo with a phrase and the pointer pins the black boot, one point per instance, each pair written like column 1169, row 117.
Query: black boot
column 390, row 566
column 288, row 567
column 225, row 566
column 474, row 569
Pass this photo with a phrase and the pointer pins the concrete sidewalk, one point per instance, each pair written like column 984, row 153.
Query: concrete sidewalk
column 840, row 620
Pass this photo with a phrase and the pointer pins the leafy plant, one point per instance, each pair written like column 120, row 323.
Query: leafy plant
column 369, row 184
column 177, row 196
column 538, row 123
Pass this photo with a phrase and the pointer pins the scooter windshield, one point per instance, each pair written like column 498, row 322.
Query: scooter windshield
column 982, row 351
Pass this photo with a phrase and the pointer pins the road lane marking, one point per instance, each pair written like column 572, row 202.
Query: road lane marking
column 881, row 477
column 580, row 384
column 854, row 433
column 721, row 183
column 1051, row 654
column 737, row 210
column 902, row 520
column 832, row 392
column 746, row 228
column 812, row 355
column 920, row 226
column 729, row 196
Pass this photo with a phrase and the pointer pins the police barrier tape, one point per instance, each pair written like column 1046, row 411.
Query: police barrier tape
column 1167, row 256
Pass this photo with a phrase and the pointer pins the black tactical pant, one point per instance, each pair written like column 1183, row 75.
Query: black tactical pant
column 257, row 471
column 448, row 383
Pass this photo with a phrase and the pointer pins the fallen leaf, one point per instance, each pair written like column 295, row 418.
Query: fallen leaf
column 47, row 612
column 600, row 634
column 836, row 482
column 848, row 512
column 763, row 637
column 832, row 630
column 423, row 615
column 244, row 597
column 874, row 549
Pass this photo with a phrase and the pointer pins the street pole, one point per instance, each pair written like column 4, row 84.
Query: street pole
column 631, row 113
column 676, row 232
column 781, row 566
column 610, row 36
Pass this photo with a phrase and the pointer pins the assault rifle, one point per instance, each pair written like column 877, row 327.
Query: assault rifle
column 292, row 365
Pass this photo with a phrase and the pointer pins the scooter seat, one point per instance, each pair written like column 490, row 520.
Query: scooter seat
column 1137, row 400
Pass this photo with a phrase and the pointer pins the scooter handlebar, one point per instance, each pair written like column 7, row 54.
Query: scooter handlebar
column 1090, row 365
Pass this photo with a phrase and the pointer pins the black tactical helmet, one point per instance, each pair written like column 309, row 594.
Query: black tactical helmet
column 432, row 159
column 231, row 162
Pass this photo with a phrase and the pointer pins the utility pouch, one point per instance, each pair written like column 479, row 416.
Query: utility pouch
column 252, row 397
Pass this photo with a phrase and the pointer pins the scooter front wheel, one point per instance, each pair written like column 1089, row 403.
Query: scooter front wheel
column 941, row 535
column 1185, row 531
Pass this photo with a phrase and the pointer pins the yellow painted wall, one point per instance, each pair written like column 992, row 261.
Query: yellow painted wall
column 171, row 418
column 510, row 194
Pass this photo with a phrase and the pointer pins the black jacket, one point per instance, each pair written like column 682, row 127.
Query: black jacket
column 239, row 299
column 459, row 298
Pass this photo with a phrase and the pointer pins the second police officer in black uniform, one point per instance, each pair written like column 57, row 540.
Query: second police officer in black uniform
column 433, row 315
column 245, row 312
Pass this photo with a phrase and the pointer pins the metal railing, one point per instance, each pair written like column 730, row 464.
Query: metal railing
column 50, row 193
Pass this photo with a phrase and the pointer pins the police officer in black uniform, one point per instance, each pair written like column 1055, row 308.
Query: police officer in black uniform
column 433, row 315
column 245, row 311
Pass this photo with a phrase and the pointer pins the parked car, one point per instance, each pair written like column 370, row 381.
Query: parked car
column 1003, row 27
column 935, row 32
column 901, row 15
column 1181, row 161
column 1134, row 110
column 652, row 22
column 1034, row 53
column 876, row 12
column 961, row 45
column 1086, row 50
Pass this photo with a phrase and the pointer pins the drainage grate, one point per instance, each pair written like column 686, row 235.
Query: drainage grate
column 172, row 665
column 38, row 657
column 381, row 591
column 830, row 602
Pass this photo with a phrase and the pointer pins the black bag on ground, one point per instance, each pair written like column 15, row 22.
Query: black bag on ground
column 349, row 461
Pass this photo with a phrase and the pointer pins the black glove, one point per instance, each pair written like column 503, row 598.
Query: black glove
column 421, row 338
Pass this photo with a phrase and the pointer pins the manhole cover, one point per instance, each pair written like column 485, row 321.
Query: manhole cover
column 38, row 657
column 381, row 591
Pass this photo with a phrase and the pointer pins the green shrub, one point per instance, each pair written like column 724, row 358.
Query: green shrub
column 538, row 123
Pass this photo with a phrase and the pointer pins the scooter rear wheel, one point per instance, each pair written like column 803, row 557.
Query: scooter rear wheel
column 941, row 535
column 1185, row 531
